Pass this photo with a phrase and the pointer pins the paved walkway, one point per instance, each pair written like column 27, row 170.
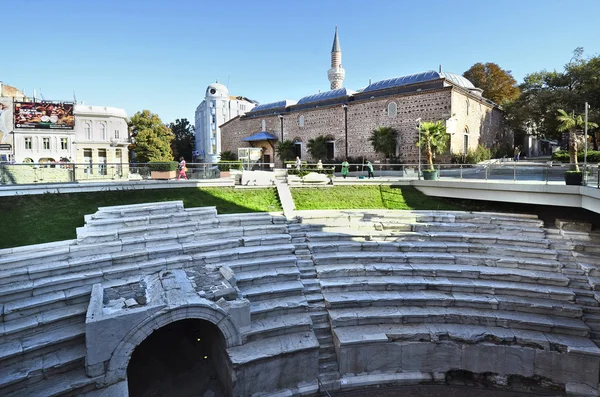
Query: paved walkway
column 287, row 201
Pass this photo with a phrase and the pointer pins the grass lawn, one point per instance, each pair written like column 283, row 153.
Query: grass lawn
column 53, row 217
column 375, row 197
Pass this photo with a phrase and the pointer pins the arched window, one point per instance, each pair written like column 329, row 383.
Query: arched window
column 263, row 125
column 103, row 131
column 392, row 109
column 88, row 131
column 301, row 121
column 466, row 140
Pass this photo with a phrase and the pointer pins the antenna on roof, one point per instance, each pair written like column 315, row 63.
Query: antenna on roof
column 440, row 68
column 42, row 95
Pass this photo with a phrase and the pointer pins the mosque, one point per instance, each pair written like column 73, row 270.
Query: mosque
column 346, row 117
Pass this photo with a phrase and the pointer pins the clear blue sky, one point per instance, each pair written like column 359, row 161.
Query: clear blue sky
column 161, row 55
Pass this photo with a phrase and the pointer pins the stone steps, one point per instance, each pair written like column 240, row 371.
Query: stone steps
column 484, row 287
column 73, row 383
column 442, row 270
column 274, row 346
column 428, row 298
column 276, row 326
column 267, row 276
column 432, row 246
column 272, row 291
column 282, row 260
column 142, row 209
column 190, row 214
column 454, row 315
column 534, row 264
column 42, row 322
column 20, row 374
column 270, row 308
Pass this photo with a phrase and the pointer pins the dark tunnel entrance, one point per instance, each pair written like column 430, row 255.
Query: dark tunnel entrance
column 184, row 358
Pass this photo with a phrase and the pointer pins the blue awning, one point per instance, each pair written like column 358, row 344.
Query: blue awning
column 260, row 136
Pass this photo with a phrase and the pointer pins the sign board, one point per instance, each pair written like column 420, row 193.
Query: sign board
column 43, row 115
column 5, row 146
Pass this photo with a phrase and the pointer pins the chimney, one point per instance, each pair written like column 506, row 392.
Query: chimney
column 440, row 68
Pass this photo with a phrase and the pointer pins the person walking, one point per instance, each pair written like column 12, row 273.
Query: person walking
column 298, row 163
column 182, row 169
column 370, row 170
column 345, row 167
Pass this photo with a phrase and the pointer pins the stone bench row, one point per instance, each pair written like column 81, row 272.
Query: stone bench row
column 56, row 252
column 105, row 268
column 92, row 236
column 442, row 270
column 191, row 214
column 432, row 246
column 429, row 298
column 448, row 237
column 439, row 348
column 349, row 258
column 457, row 315
column 73, row 382
column 136, row 255
column 132, row 210
column 453, row 285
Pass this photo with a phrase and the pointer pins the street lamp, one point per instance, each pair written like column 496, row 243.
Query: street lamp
column 345, row 107
column 419, row 146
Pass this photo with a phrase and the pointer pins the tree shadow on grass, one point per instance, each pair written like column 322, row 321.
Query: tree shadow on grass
column 45, row 218
column 409, row 198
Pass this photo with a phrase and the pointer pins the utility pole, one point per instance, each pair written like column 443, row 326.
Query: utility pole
column 585, row 145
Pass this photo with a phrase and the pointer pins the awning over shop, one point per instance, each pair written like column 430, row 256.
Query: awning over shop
column 260, row 136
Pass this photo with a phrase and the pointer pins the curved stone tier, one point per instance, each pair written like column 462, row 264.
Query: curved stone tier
column 334, row 299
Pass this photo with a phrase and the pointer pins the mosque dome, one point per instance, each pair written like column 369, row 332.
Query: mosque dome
column 217, row 90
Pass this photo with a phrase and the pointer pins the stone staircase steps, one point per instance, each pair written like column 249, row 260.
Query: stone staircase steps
column 20, row 374
column 143, row 209
column 273, row 346
column 454, row 315
column 442, row 270
column 427, row 298
column 189, row 214
column 276, row 326
column 272, row 291
column 285, row 259
column 270, row 308
column 267, row 276
column 74, row 382
column 484, row 287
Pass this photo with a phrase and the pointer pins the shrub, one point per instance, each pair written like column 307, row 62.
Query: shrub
column 163, row 166
column 472, row 156
column 228, row 155
column 593, row 156
column 229, row 165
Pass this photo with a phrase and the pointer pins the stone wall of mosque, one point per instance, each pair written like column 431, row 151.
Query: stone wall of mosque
column 400, row 111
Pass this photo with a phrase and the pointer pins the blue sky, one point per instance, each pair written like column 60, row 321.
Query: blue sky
column 161, row 55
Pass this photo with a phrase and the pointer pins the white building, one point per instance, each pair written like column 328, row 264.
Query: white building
column 216, row 108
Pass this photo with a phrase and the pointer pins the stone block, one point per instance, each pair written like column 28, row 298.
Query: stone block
column 573, row 226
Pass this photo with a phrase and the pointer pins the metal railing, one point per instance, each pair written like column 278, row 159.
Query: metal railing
column 506, row 172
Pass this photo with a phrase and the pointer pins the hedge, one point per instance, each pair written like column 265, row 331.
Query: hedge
column 229, row 165
column 163, row 166
column 593, row 156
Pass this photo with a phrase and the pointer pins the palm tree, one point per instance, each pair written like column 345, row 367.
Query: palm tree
column 571, row 122
column 285, row 150
column 433, row 139
column 318, row 147
column 384, row 141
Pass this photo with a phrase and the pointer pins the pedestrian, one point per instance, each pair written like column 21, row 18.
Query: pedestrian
column 182, row 169
column 370, row 170
column 319, row 165
column 517, row 153
column 345, row 167
column 298, row 163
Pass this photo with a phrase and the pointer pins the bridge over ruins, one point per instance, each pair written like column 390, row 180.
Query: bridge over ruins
column 336, row 300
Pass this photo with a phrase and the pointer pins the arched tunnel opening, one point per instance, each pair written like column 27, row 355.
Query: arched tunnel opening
column 181, row 359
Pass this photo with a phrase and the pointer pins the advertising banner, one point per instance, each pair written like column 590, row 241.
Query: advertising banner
column 43, row 115
column 6, row 112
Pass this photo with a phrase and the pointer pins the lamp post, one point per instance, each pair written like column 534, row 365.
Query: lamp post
column 345, row 106
column 419, row 146
column 585, row 144
column 281, row 120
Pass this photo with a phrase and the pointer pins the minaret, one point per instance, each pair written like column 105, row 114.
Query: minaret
column 336, row 73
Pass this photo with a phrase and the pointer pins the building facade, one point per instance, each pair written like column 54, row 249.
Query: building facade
column 347, row 118
column 217, row 108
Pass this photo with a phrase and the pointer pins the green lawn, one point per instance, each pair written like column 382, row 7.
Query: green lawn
column 44, row 218
column 369, row 197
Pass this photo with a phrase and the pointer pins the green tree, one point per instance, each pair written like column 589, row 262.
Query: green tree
column 433, row 139
column 152, row 139
column 497, row 84
column 227, row 155
column 384, row 141
column 571, row 123
column 184, row 141
column 285, row 150
column 317, row 147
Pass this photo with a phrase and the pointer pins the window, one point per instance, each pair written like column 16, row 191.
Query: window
column 263, row 125
column 28, row 143
column 301, row 121
column 87, row 159
column 87, row 128
column 103, row 131
column 298, row 148
column 466, row 142
column 64, row 143
column 467, row 107
column 392, row 110
column 117, row 134
column 46, row 142
column 330, row 149
column 102, row 160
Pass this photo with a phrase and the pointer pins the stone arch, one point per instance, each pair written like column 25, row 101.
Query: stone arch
column 117, row 366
